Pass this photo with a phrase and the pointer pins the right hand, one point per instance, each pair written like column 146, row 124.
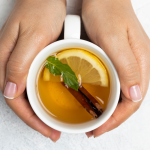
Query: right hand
column 113, row 26
column 30, row 27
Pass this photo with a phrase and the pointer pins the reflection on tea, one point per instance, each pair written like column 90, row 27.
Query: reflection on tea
column 56, row 98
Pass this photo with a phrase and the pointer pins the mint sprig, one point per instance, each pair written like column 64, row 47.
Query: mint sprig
column 56, row 67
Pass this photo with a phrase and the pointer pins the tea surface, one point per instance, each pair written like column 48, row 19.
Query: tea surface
column 62, row 105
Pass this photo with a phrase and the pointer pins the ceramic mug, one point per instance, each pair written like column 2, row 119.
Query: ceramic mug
column 72, row 27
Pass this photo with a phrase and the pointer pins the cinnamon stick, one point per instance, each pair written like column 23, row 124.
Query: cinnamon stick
column 85, row 102
column 91, row 98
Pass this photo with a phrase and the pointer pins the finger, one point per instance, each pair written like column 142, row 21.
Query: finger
column 123, row 111
column 8, row 38
column 27, row 47
column 140, row 45
column 113, row 39
column 2, row 29
column 89, row 134
column 125, row 63
column 23, row 109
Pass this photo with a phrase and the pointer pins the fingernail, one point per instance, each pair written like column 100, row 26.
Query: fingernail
column 135, row 93
column 89, row 136
column 10, row 90
column 53, row 136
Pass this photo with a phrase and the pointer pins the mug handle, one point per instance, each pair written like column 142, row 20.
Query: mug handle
column 72, row 27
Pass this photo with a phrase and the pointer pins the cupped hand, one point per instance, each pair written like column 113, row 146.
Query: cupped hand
column 32, row 25
column 114, row 27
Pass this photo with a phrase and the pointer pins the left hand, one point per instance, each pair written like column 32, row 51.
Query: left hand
column 114, row 27
column 31, row 26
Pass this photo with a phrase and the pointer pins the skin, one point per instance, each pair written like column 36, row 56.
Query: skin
column 30, row 27
column 114, row 27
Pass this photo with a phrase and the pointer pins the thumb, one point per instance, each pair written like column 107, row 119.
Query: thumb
column 26, row 49
column 126, row 65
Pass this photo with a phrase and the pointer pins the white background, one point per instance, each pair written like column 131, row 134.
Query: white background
column 134, row 134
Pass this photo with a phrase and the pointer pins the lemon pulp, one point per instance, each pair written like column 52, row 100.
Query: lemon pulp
column 87, row 67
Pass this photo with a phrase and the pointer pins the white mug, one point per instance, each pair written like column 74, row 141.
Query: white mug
column 72, row 40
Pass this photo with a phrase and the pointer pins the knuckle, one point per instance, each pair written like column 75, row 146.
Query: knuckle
column 41, row 36
column 132, row 72
column 115, row 120
column 37, row 36
column 15, row 68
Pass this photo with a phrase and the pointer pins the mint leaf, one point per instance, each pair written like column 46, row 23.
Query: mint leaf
column 56, row 67
column 51, row 64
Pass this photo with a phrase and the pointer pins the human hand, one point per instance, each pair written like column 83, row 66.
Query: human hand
column 114, row 27
column 30, row 27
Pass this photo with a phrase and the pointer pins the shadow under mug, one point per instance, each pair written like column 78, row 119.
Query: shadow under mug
column 72, row 27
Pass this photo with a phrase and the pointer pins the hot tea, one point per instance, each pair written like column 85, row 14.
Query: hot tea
column 91, row 74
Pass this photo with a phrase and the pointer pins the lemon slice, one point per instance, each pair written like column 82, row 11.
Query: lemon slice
column 87, row 67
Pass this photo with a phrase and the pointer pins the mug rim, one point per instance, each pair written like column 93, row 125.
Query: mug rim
column 69, row 128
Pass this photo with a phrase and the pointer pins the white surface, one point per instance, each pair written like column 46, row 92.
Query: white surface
column 134, row 134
